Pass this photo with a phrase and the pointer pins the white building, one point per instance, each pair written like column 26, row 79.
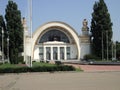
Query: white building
column 56, row 41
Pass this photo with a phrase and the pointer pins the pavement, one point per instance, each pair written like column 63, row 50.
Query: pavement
column 96, row 68
column 94, row 77
column 61, row 81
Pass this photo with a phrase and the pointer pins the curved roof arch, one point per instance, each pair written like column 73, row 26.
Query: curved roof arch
column 59, row 22
column 63, row 25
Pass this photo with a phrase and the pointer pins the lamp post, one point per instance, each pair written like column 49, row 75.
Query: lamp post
column 8, row 50
column 107, row 43
column 115, row 50
column 102, row 48
column 2, row 45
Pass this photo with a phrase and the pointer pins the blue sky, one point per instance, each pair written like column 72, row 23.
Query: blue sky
column 71, row 12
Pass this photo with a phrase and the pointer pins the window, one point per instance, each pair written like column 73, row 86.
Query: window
column 68, row 52
column 41, row 53
column 54, row 35
column 55, row 53
column 62, row 53
column 48, row 57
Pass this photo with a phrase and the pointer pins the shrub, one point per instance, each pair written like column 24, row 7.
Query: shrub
column 21, row 60
column 90, row 56
column 58, row 62
column 15, row 69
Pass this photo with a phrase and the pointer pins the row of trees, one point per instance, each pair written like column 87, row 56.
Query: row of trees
column 101, row 30
column 13, row 30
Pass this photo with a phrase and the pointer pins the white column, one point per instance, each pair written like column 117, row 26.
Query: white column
column 44, row 54
column 58, row 54
column 51, row 53
column 65, row 53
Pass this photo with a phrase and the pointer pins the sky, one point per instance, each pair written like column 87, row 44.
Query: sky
column 71, row 12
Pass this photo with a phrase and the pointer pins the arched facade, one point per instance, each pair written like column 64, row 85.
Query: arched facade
column 63, row 39
column 56, row 41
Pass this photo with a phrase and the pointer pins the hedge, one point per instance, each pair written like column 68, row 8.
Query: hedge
column 36, row 69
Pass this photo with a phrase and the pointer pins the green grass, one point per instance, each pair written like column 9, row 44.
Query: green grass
column 78, row 69
column 7, row 65
column 35, row 64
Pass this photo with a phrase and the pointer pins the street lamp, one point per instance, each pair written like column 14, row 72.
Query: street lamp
column 8, row 49
column 107, row 43
column 102, row 48
column 2, row 45
column 115, row 50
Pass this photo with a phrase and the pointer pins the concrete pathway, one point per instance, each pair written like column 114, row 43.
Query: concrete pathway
column 61, row 81
column 94, row 68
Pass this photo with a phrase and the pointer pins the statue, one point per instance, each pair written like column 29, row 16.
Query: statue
column 85, row 27
column 85, row 23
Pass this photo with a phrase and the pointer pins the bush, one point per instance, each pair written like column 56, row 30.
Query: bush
column 89, row 56
column 15, row 69
column 58, row 62
column 21, row 60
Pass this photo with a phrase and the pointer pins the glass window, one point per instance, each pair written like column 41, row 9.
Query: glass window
column 41, row 53
column 48, row 57
column 54, row 35
column 55, row 53
column 68, row 52
column 62, row 53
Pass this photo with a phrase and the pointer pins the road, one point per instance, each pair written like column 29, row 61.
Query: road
column 61, row 81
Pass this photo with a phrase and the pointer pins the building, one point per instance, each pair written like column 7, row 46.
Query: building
column 56, row 41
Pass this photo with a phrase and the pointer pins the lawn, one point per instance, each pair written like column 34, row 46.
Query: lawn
column 7, row 65
column 36, row 67
column 36, row 64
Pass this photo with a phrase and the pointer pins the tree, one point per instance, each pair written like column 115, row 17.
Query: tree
column 15, row 29
column 101, row 29
column 2, row 26
column 118, row 50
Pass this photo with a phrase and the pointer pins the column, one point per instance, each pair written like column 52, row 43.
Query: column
column 44, row 54
column 51, row 53
column 58, row 53
column 65, row 53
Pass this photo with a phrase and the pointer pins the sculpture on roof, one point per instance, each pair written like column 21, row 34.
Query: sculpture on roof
column 85, row 27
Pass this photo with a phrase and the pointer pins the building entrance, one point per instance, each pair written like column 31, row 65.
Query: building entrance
column 53, row 53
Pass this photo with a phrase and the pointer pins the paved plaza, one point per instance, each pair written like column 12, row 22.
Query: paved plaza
column 96, row 68
column 61, row 81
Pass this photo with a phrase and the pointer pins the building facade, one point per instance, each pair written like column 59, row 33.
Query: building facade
column 56, row 41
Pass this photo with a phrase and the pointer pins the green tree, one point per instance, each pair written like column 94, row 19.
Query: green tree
column 118, row 50
column 101, row 29
column 15, row 29
column 2, row 26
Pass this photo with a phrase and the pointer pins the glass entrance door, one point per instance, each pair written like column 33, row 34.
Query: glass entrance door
column 62, row 53
column 41, row 53
column 55, row 56
column 48, row 52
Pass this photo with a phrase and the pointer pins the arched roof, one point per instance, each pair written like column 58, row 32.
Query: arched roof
column 55, row 23
column 63, row 25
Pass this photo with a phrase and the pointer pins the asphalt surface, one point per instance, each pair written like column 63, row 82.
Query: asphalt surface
column 61, row 81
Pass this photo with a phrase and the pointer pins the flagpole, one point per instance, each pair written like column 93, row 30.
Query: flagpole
column 31, row 30
column 107, row 43
column 2, row 45
column 102, row 47
column 115, row 50
column 112, row 48
column 8, row 49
